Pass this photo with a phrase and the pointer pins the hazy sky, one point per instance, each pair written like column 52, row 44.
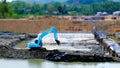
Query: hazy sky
column 9, row 0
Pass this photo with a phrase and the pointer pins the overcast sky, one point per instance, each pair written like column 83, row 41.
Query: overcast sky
column 9, row 0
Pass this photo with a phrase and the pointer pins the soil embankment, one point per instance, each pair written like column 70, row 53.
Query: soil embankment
column 41, row 24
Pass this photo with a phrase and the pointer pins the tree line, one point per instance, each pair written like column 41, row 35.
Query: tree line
column 85, row 1
column 18, row 9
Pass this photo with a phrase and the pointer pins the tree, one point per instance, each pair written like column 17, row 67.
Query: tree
column 63, row 10
column 19, row 7
column 5, row 9
column 109, row 7
column 60, row 9
column 50, row 8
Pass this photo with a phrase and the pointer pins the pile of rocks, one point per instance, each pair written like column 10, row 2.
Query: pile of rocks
column 8, row 38
column 7, row 42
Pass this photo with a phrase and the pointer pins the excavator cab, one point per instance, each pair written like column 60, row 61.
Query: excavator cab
column 38, row 43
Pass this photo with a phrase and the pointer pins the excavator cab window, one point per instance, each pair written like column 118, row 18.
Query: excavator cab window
column 36, row 41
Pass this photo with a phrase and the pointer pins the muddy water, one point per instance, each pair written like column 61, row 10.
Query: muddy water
column 22, row 45
column 38, row 63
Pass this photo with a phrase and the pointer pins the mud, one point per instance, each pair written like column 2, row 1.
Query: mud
column 51, row 55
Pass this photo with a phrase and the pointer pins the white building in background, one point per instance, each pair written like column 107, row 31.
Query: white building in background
column 101, row 14
column 116, row 13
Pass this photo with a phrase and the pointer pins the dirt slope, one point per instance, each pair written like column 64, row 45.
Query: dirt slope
column 39, row 25
column 43, row 23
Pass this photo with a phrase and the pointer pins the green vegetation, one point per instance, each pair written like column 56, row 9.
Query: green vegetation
column 5, row 9
column 21, row 9
column 85, row 1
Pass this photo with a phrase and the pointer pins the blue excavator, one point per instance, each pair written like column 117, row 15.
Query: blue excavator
column 38, row 43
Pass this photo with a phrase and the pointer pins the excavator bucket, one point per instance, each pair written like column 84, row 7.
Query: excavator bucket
column 58, row 42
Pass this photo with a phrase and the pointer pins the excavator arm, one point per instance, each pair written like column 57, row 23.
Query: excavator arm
column 38, row 43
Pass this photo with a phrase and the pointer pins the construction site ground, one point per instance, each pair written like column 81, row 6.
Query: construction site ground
column 77, row 39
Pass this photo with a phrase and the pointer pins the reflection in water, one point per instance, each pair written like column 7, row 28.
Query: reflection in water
column 37, row 63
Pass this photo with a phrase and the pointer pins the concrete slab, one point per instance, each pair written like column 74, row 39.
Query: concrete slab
column 67, row 48
column 69, row 37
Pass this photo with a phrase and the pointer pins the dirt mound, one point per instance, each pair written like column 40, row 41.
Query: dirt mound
column 109, row 26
